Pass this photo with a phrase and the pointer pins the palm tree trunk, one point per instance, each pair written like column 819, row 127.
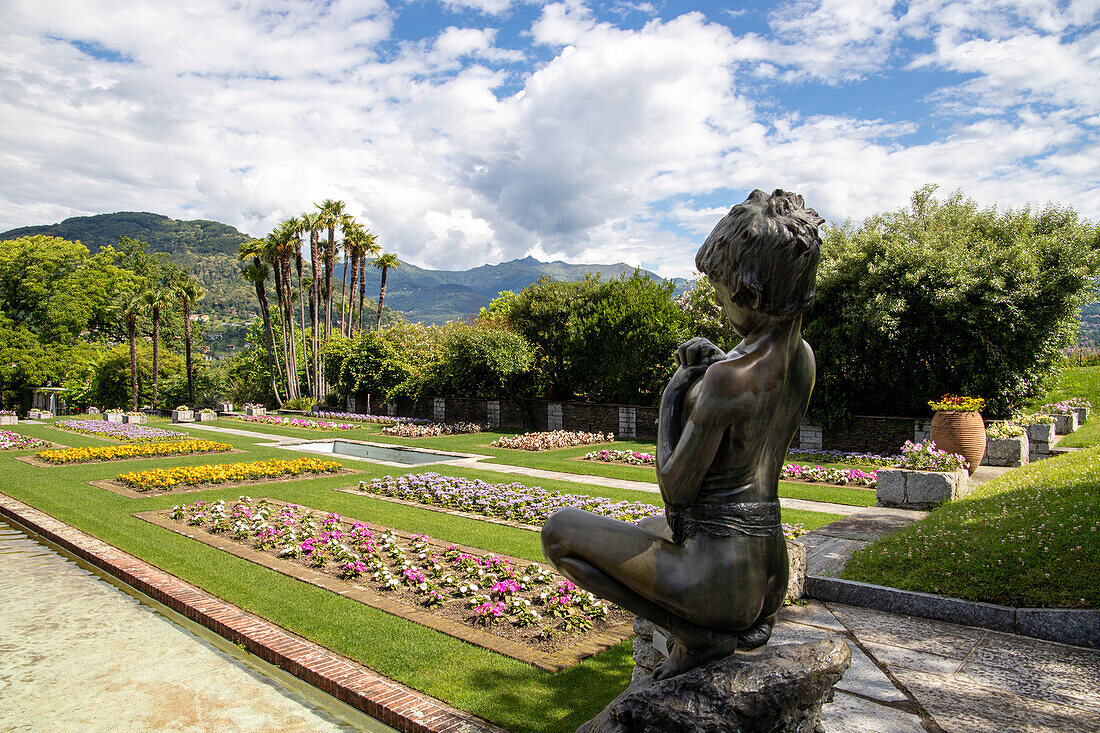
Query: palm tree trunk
column 302, row 310
column 292, row 364
column 343, row 293
column 280, row 297
column 156, row 352
column 330, row 263
column 362, row 288
column 272, row 357
column 314, row 255
column 381, row 297
column 351, row 298
column 131, row 325
column 187, row 352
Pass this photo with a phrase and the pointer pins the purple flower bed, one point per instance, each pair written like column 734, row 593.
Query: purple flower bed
column 514, row 502
column 363, row 417
column 293, row 422
column 838, row 456
column 126, row 432
column 841, row 476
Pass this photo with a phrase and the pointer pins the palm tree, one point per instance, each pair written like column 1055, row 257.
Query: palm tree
column 291, row 252
column 384, row 263
column 314, row 222
column 131, row 309
column 189, row 293
column 256, row 273
column 155, row 300
column 332, row 212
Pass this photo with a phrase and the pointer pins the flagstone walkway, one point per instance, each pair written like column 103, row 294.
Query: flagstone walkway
column 912, row 675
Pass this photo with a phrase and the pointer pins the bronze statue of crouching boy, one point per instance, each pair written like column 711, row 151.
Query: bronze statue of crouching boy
column 713, row 570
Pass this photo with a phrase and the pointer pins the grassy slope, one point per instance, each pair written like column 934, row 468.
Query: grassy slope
column 510, row 693
column 1077, row 382
column 1028, row 538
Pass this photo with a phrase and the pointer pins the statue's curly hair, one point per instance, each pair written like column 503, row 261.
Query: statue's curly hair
column 765, row 252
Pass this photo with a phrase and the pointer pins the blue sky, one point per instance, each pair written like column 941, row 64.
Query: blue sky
column 476, row 131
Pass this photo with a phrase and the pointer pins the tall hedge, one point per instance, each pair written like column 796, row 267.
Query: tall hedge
column 944, row 296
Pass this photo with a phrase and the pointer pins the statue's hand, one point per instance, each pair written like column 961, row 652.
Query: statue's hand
column 697, row 351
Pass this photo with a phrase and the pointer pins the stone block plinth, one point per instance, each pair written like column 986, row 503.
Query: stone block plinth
column 206, row 415
column 1009, row 452
column 810, row 437
column 114, row 417
column 778, row 688
column 1082, row 415
column 1039, row 438
column 9, row 419
column 255, row 411
column 135, row 419
column 899, row 487
column 1064, row 422
column 183, row 416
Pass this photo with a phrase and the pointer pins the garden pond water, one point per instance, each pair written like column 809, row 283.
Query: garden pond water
column 83, row 652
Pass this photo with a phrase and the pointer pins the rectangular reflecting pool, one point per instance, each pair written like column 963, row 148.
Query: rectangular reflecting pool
column 374, row 452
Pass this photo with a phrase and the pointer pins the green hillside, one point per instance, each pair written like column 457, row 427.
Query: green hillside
column 207, row 248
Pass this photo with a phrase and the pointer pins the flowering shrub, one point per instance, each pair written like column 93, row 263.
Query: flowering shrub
column 408, row 430
column 552, row 440
column 632, row 457
column 513, row 502
column 1067, row 406
column 166, row 478
column 253, row 406
column 481, row 589
column 927, row 457
column 836, row 456
column 119, row 452
column 957, row 403
column 125, row 432
column 362, row 417
column 1003, row 429
column 821, row 474
column 294, row 422
column 15, row 441
column 8, row 413
column 1078, row 403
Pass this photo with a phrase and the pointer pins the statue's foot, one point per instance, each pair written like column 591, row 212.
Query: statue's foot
column 682, row 659
column 757, row 636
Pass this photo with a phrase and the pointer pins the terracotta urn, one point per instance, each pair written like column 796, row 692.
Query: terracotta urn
column 962, row 433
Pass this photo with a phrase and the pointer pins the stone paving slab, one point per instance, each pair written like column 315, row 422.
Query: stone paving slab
column 872, row 523
column 907, row 632
column 966, row 707
column 851, row 714
column 826, row 556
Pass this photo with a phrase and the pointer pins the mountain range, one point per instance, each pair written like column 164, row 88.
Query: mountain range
column 209, row 249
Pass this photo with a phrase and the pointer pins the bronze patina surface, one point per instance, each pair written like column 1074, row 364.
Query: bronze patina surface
column 713, row 570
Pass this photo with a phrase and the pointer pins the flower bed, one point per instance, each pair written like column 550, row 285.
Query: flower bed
column 166, row 478
column 294, row 422
column 552, row 440
column 123, row 452
column 513, row 502
column 524, row 603
column 425, row 431
column 927, row 457
column 15, row 441
column 363, row 417
column 836, row 456
column 630, row 457
column 125, row 432
column 820, row 474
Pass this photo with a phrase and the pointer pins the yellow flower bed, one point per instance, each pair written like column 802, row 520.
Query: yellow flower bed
column 119, row 452
column 166, row 478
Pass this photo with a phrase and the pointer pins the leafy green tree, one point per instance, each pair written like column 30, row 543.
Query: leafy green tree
column 189, row 293
column 603, row 340
column 111, row 388
column 480, row 360
column 943, row 296
column 703, row 316
column 373, row 366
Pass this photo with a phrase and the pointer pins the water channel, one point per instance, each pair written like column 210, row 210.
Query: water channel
column 80, row 651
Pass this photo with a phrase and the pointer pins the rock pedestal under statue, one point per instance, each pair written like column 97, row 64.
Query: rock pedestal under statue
column 778, row 688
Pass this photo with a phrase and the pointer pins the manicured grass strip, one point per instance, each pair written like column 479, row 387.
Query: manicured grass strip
column 827, row 493
column 1076, row 382
column 1028, row 538
column 124, row 452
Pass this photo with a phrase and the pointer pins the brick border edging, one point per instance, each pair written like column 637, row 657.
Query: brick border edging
column 377, row 696
column 1077, row 627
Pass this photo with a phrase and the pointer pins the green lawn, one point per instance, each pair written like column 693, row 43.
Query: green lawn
column 512, row 694
column 1028, row 538
column 1076, row 382
column 565, row 460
